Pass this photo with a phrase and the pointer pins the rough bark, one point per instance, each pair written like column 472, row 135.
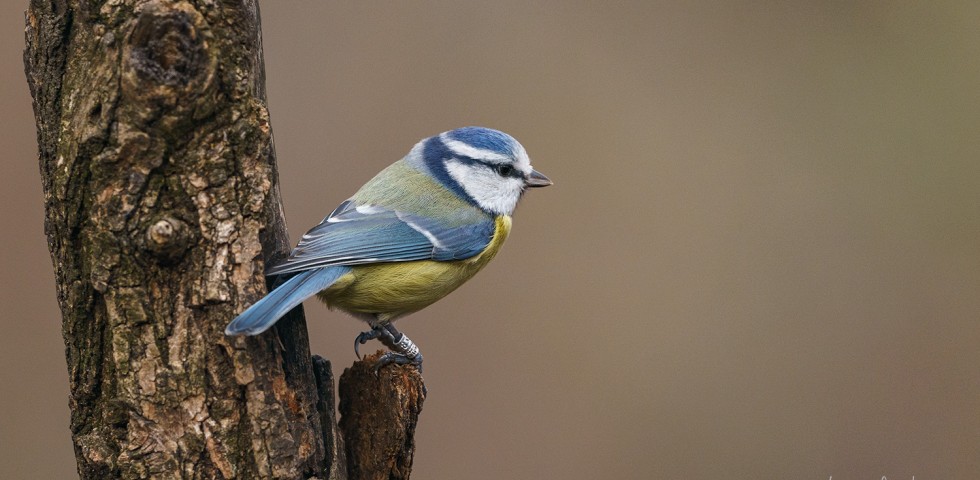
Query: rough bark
column 161, row 196
column 161, row 206
column 379, row 412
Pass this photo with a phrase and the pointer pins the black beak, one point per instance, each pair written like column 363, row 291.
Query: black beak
column 537, row 179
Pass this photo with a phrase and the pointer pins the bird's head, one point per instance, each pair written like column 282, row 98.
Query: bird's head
column 488, row 168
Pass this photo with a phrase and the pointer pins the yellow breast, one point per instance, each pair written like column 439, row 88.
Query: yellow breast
column 399, row 288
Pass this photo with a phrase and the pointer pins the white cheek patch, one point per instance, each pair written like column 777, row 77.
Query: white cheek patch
column 489, row 190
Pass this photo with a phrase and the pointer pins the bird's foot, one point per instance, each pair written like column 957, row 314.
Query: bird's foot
column 405, row 352
column 403, row 349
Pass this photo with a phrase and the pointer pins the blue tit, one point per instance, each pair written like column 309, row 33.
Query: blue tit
column 411, row 235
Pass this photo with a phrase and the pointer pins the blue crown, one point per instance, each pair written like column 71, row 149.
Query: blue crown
column 485, row 139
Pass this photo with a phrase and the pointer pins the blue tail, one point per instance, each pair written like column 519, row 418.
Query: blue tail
column 264, row 313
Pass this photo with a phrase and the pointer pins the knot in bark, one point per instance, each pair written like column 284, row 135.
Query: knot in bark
column 167, row 238
column 166, row 49
column 168, row 62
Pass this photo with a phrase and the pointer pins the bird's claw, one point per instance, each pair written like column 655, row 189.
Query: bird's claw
column 364, row 337
column 390, row 358
column 403, row 349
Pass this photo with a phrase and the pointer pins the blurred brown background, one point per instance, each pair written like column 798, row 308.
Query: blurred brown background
column 761, row 257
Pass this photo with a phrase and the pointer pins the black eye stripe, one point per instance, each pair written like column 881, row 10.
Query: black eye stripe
column 505, row 170
column 502, row 169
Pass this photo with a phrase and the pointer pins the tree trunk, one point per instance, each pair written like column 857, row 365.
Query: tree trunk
column 380, row 412
column 161, row 196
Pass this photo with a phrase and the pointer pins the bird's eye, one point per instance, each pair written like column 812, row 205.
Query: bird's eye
column 505, row 170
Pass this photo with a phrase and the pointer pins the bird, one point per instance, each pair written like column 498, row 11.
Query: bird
column 408, row 237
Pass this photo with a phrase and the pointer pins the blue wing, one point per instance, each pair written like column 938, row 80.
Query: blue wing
column 359, row 234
